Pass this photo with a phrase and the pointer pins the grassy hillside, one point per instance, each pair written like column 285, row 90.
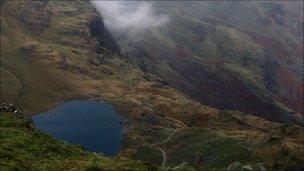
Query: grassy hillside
column 54, row 51
column 206, row 45
column 24, row 148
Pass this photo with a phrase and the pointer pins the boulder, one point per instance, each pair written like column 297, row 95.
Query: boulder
column 261, row 167
column 234, row 165
column 247, row 167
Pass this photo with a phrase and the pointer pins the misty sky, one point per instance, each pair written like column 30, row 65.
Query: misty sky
column 129, row 16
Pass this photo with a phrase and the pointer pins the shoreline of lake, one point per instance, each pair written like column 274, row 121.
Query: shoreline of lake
column 102, row 121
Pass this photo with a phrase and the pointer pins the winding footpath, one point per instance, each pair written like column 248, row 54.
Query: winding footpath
column 165, row 141
column 18, row 77
column 164, row 156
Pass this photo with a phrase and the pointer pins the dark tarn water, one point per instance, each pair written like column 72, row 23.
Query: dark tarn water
column 94, row 125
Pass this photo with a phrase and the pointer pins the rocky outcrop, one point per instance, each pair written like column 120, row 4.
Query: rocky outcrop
column 102, row 35
column 238, row 166
column 9, row 108
column 36, row 15
column 270, row 68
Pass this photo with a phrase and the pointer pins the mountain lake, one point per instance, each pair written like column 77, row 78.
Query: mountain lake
column 94, row 125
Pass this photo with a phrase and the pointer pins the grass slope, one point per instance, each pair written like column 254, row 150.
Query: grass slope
column 205, row 46
column 24, row 148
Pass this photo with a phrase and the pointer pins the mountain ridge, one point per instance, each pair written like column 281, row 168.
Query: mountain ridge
column 240, row 56
column 65, row 61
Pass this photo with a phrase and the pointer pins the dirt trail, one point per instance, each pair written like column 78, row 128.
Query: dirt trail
column 18, row 77
column 180, row 126
column 170, row 136
column 178, row 122
column 164, row 157
column 164, row 154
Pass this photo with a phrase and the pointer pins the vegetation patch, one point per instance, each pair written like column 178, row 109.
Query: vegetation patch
column 205, row 149
column 24, row 148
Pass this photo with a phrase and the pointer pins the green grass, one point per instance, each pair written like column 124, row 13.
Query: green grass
column 11, row 87
column 23, row 148
column 149, row 155
column 205, row 149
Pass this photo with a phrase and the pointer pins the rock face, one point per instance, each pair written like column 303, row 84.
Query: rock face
column 103, row 36
column 36, row 15
column 270, row 68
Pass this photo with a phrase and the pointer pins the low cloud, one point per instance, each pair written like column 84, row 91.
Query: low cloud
column 130, row 17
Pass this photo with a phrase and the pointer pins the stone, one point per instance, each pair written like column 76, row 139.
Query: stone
column 261, row 167
column 17, row 112
column 234, row 165
column 247, row 167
